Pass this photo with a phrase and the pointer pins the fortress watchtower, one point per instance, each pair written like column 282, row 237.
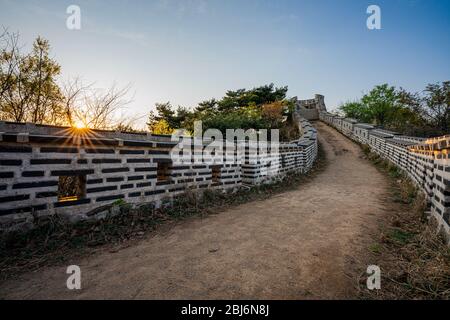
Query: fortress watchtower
column 310, row 108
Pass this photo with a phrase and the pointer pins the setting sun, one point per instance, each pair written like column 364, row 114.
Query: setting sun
column 79, row 125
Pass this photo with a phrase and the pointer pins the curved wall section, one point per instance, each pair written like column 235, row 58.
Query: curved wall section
column 425, row 161
column 106, row 167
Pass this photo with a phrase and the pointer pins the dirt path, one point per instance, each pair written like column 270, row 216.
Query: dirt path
column 307, row 243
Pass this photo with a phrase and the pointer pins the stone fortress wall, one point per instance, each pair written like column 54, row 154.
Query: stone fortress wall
column 37, row 161
column 425, row 161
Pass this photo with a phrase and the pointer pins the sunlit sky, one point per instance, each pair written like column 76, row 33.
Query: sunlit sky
column 192, row 50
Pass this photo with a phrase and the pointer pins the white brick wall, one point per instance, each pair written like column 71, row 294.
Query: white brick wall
column 426, row 162
column 118, row 166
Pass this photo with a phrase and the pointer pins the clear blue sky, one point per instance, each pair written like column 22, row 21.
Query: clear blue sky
column 186, row 51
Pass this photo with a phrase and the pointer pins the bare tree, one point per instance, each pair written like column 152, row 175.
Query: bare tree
column 95, row 108
column 74, row 92
column 101, row 107
column 437, row 105
column 46, row 93
column 128, row 123
column 30, row 92
column 28, row 88
column 10, row 73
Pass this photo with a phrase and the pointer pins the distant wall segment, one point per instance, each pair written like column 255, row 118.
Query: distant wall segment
column 310, row 108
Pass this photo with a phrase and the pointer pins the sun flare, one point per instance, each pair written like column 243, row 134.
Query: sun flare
column 79, row 125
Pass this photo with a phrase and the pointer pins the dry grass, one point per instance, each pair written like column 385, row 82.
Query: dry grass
column 414, row 259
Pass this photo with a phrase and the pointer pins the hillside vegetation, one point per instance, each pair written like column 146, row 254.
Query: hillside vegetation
column 264, row 107
column 418, row 114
